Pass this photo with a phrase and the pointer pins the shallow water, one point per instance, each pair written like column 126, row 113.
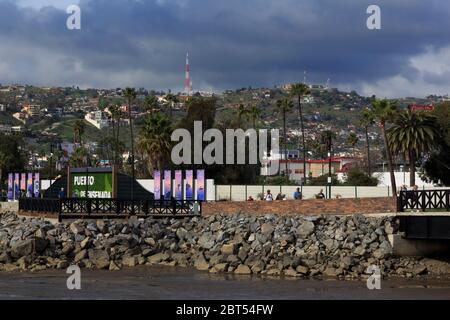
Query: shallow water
column 181, row 283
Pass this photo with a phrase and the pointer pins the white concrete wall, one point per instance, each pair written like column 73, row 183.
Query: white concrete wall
column 241, row 193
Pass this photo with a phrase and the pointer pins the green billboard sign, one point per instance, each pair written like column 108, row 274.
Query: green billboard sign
column 96, row 184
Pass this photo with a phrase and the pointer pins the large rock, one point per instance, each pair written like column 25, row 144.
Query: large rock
column 305, row 229
column 267, row 229
column 22, row 248
column 67, row 248
column 206, row 241
column 100, row 258
column 130, row 261
column 242, row 269
column 436, row 267
column 302, row 269
column 158, row 258
column 113, row 266
column 76, row 228
column 359, row 251
column 200, row 263
column 228, row 249
column 80, row 256
column 218, row 268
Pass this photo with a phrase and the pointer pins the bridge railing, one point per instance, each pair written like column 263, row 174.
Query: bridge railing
column 424, row 200
column 72, row 208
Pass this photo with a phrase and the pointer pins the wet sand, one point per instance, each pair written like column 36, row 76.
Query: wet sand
column 187, row 284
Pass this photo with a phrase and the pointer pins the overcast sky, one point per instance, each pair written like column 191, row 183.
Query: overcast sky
column 232, row 44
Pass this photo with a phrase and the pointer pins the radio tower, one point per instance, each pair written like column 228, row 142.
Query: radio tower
column 187, row 81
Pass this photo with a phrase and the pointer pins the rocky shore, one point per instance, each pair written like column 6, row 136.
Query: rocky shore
column 323, row 246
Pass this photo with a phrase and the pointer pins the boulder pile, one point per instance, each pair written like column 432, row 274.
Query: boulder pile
column 322, row 246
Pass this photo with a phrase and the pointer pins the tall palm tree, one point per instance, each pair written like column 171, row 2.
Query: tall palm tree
column 78, row 130
column 241, row 112
column 413, row 133
column 171, row 101
column 284, row 105
column 151, row 103
column 367, row 121
column 327, row 137
column 116, row 116
column 299, row 90
column 154, row 141
column 383, row 112
column 130, row 95
column 255, row 114
column 352, row 141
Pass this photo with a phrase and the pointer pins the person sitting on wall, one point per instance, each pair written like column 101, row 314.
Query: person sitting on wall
column 297, row 194
column 250, row 198
column 269, row 196
column 279, row 196
column 320, row 195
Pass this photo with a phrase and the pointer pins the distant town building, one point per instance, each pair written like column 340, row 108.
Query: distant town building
column 8, row 129
column 314, row 168
column 97, row 119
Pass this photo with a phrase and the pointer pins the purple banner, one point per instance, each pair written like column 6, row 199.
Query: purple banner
column 30, row 185
column 23, row 182
column 10, row 187
column 16, row 186
column 200, row 185
column 178, row 185
column 157, row 184
column 167, row 184
column 37, row 185
column 189, row 184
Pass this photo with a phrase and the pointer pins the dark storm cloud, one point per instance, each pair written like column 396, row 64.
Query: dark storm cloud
column 232, row 43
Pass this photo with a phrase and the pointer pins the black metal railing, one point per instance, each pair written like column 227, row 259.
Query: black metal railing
column 69, row 208
column 424, row 200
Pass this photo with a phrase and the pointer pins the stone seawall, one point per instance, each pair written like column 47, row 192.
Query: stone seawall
column 304, row 207
column 336, row 246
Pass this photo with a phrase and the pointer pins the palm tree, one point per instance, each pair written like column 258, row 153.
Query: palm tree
column 255, row 113
column 151, row 103
column 327, row 137
column 284, row 105
column 383, row 111
column 78, row 130
column 352, row 141
column 154, row 141
column 171, row 100
column 78, row 157
column 130, row 95
column 413, row 133
column 116, row 116
column 367, row 121
column 300, row 90
column 241, row 112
